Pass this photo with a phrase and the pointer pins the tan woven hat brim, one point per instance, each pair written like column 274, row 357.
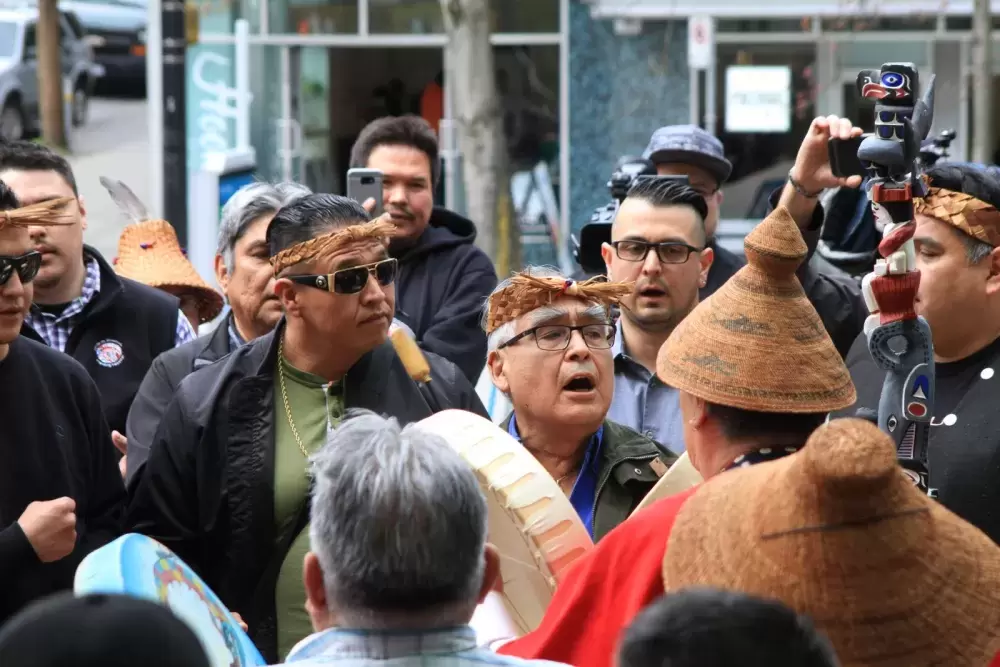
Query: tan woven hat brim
column 758, row 343
column 148, row 252
column 911, row 585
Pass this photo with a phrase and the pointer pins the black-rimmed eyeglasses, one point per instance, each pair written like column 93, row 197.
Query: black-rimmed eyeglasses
column 669, row 252
column 352, row 280
column 26, row 266
column 556, row 337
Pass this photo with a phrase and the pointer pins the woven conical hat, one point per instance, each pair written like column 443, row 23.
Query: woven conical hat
column 532, row 523
column 148, row 252
column 681, row 477
column 757, row 343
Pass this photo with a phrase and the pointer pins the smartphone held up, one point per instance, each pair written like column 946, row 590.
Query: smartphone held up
column 365, row 184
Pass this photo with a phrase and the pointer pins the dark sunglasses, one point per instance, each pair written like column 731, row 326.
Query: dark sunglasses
column 26, row 265
column 352, row 280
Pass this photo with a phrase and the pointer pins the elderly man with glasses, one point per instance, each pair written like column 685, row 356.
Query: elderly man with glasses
column 226, row 485
column 550, row 345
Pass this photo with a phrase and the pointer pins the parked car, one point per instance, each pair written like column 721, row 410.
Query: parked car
column 116, row 31
column 19, row 93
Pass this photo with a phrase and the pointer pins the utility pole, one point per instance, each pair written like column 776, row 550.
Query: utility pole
column 173, row 27
column 982, row 77
column 50, row 80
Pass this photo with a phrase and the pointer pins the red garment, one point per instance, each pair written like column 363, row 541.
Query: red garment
column 604, row 592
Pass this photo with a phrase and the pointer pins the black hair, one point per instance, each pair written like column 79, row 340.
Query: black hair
column 309, row 217
column 702, row 627
column 8, row 200
column 665, row 191
column 27, row 156
column 778, row 428
column 972, row 179
column 409, row 130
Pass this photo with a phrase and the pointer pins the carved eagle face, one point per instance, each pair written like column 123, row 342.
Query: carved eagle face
column 895, row 83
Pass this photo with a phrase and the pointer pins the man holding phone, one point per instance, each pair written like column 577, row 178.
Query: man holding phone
column 444, row 278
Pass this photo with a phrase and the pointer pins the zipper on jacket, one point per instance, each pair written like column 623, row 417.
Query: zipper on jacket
column 604, row 478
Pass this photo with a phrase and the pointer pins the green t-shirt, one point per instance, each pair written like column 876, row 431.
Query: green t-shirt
column 317, row 406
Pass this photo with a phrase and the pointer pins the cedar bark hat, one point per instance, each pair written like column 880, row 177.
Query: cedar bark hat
column 757, row 343
column 838, row 532
column 149, row 253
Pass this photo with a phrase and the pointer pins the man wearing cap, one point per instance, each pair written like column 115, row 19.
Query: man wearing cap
column 661, row 241
column 687, row 150
column 112, row 325
column 60, row 493
column 957, row 243
column 247, row 279
column 757, row 373
column 549, row 342
column 226, row 484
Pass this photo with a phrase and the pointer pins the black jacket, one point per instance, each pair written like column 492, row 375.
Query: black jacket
column 140, row 319
column 834, row 294
column 160, row 385
column 207, row 490
column 443, row 283
column 54, row 442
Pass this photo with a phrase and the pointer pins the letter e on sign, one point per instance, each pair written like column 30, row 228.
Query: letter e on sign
column 701, row 42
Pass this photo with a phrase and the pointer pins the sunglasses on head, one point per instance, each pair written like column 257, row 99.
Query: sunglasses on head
column 26, row 265
column 352, row 280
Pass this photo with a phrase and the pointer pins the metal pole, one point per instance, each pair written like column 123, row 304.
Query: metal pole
column 174, row 122
column 241, row 30
column 982, row 73
column 694, row 76
column 710, row 86
column 154, row 106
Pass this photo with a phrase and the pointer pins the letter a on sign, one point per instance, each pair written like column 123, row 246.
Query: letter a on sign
column 701, row 42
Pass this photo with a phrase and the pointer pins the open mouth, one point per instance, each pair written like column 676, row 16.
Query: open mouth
column 652, row 292
column 580, row 384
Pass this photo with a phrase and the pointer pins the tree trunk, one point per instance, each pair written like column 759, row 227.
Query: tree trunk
column 50, row 80
column 982, row 76
column 472, row 78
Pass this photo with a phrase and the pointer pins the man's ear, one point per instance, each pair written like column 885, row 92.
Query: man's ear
column 495, row 363
column 492, row 578
column 285, row 290
column 83, row 211
column 993, row 280
column 607, row 252
column 221, row 273
column 317, row 606
column 705, row 259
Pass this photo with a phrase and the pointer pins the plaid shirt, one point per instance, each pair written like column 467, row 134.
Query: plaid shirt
column 55, row 330
column 452, row 647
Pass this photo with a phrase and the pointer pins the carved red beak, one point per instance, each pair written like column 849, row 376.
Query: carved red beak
column 874, row 91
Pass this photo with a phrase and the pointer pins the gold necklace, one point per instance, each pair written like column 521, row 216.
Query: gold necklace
column 284, row 396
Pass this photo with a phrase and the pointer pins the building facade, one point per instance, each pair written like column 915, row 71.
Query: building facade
column 582, row 83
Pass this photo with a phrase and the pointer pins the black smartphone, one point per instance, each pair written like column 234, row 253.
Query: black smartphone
column 844, row 160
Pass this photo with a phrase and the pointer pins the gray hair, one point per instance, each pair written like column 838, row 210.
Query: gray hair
column 398, row 524
column 505, row 332
column 247, row 205
column 975, row 250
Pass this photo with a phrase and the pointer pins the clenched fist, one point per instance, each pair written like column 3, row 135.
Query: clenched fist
column 50, row 527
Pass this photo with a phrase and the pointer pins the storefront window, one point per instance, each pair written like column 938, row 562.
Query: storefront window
column 216, row 17
column 880, row 23
column 763, row 130
column 804, row 24
column 314, row 17
column 421, row 17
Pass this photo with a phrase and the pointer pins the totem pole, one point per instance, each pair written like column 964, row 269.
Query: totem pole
column 899, row 341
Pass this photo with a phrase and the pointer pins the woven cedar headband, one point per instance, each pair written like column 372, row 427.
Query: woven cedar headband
column 376, row 230
column 46, row 213
column 969, row 214
column 525, row 293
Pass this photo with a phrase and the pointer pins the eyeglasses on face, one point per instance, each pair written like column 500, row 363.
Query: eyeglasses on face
column 352, row 280
column 25, row 265
column 556, row 337
column 669, row 252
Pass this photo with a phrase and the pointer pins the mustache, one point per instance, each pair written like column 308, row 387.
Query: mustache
column 651, row 284
column 400, row 212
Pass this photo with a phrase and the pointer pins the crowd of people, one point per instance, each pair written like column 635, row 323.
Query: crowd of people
column 280, row 455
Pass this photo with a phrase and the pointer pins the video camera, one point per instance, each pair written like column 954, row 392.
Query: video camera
column 587, row 248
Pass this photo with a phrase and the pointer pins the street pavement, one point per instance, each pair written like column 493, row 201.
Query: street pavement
column 113, row 143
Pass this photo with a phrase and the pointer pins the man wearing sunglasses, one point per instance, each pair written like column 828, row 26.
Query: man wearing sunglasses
column 60, row 493
column 554, row 363
column 242, row 429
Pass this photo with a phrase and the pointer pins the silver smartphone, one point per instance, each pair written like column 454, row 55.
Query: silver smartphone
column 365, row 184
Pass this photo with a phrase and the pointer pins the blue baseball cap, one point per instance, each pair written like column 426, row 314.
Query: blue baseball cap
column 689, row 144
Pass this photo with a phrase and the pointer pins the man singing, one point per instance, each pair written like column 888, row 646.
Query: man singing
column 226, row 484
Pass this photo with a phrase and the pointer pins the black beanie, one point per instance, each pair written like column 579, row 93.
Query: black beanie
column 99, row 631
